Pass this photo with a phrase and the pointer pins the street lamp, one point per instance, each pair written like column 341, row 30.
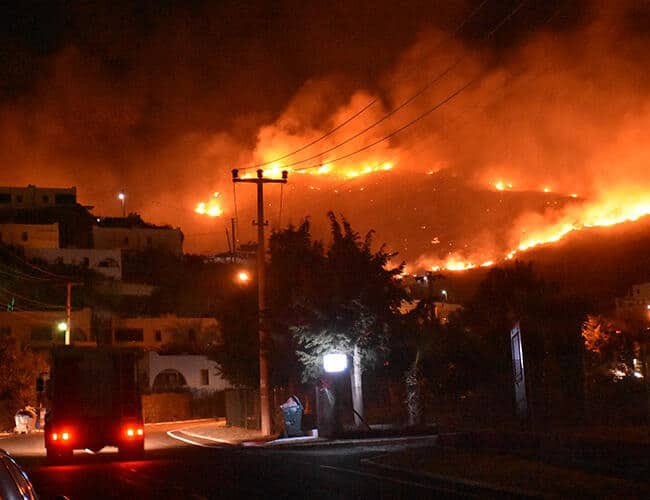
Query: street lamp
column 62, row 326
column 243, row 277
column 335, row 362
column 122, row 197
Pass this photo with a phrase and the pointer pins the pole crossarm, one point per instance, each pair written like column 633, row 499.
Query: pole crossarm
column 263, row 333
column 260, row 178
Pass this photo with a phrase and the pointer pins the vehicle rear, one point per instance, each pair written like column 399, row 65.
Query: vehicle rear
column 94, row 402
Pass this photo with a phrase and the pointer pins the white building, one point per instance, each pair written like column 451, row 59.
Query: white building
column 36, row 197
column 189, row 371
column 636, row 304
column 132, row 234
column 30, row 235
column 40, row 329
column 155, row 333
column 106, row 262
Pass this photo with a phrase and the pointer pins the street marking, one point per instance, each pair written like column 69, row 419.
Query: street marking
column 200, row 436
column 189, row 441
column 192, row 421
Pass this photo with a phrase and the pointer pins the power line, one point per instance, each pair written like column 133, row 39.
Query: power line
column 315, row 141
column 439, row 104
column 415, row 120
column 392, row 111
column 39, row 269
column 11, row 293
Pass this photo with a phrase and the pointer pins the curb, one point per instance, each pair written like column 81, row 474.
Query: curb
column 456, row 484
column 320, row 442
column 207, row 438
column 198, row 421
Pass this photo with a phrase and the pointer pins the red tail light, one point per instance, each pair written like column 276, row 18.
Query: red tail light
column 61, row 436
column 132, row 432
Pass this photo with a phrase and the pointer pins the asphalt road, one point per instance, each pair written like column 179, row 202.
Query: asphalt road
column 196, row 468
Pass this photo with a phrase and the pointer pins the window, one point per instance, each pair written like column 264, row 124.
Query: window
column 86, row 262
column 5, row 198
column 205, row 377
column 149, row 241
column 168, row 380
column 64, row 199
column 42, row 333
column 46, row 198
column 24, row 236
column 19, row 198
column 158, row 335
column 191, row 335
column 125, row 241
column 129, row 335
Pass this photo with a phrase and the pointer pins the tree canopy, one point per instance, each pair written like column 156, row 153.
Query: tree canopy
column 335, row 297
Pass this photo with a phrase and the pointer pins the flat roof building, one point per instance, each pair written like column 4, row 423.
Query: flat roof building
column 31, row 197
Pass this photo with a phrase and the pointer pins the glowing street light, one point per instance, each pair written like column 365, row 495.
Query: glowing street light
column 62, row 326
column 335, row 362
column 243, row 277
column 122, row 197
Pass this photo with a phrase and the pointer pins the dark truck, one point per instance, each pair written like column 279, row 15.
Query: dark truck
column 94, row 401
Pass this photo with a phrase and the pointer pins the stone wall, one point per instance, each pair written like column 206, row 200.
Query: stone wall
column 166, row 406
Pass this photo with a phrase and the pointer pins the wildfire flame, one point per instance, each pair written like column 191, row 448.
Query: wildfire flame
column 598, row 214
column 211, row 208
column 347, row 172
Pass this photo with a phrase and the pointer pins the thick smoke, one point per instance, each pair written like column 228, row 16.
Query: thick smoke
column 563, row 106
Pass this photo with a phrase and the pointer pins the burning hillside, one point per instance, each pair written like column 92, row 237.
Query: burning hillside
column 477, row 132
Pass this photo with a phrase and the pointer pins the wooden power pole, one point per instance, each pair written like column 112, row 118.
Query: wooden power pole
column 261, row 293
column 68, row 311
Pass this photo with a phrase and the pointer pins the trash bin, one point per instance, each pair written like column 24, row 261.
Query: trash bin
column 292, row 411
column 25, row 421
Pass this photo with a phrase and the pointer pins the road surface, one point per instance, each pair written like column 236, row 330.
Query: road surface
column 179, row 466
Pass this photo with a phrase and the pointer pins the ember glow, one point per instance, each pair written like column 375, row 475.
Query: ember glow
column 575, row 218
column 326, row 169
column 211, row 208
column 502, row 185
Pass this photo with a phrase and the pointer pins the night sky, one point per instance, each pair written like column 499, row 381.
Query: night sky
column 162, row 99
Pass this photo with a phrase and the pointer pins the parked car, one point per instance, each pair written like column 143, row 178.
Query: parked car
column 14, row 483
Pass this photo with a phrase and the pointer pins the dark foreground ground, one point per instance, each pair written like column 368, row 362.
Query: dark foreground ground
column 204, row 469
column 185, row 465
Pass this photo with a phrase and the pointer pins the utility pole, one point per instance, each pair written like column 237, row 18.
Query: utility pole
column 68, row 310
column 234, row 238
column 261, row 293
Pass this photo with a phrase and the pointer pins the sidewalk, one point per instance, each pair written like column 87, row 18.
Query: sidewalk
column 237, row 436
column 220, row 433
